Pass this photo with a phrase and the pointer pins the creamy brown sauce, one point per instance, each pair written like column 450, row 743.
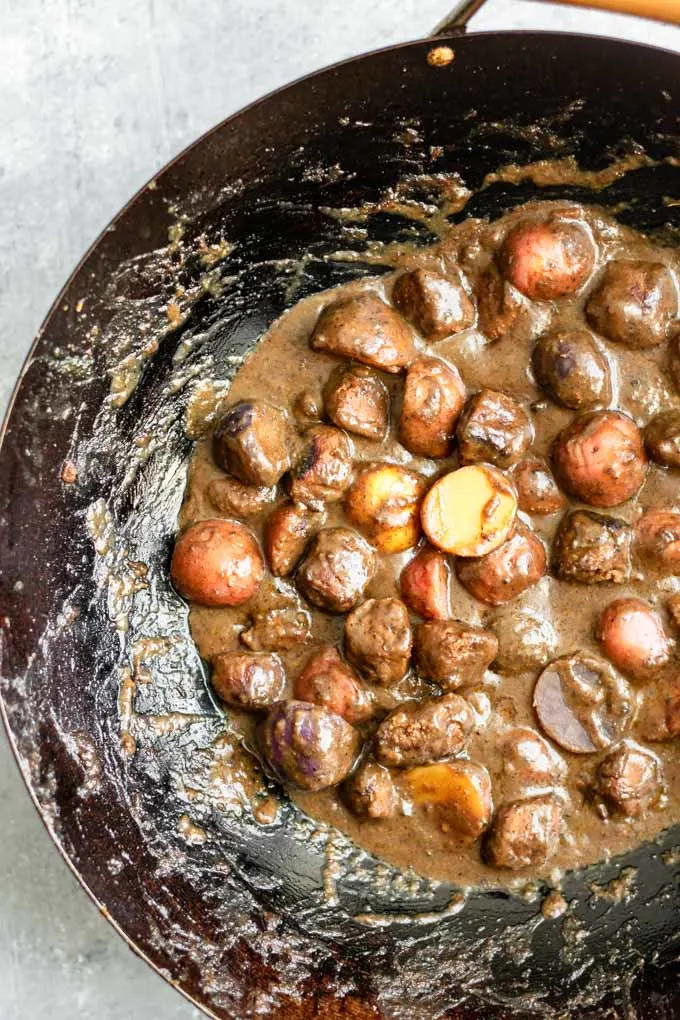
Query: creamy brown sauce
column 282, row 366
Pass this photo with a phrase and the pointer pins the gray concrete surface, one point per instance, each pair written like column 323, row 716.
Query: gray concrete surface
column 96, row 95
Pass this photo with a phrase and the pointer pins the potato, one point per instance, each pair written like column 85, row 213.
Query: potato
column 248, row 680
column 286, row 533
column 547, row 260
column 507, row 571
column 499, row 306
column 336, row 570
column 494, row 429
column 673, row 610
column 384, row 503
column 662, row 439
column 253, row 441
column 356, row 399
column 471, row 511
column 434, row 395
column 307, row 409
column 235, row 499
column 600, row 459
column 525, row 833
column 633, row 638
column 528, row 760
column 365, row 329
column 656, row 542
column 327, row 680
column 453, row 653
column 460, row 793
column 370, row 791
column 592, row 548
column 307, row 745
column 537, row 490
column 425, row 582
column 436, row 306
column 629, row 780
column 634, row 304
column 378, row 640
column 572, row 369
column 217, row 563
column 658, row 716
column 526, row 640
column 323, row 471
column 420, row 732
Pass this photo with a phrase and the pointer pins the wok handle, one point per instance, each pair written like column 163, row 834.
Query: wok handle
column 657, row 10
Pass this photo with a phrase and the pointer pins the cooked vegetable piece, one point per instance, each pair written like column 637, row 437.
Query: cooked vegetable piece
column 365, row 329
column 434, row 395
column 656, row 542
column 323, row 472
column 248, row 680
column 572, row 369
column 471, row 511
column 528, row 760
column 499, row 306
column 435, row 305
column 629, row 780
column 582, row 704
column 493, row 428
column 378, row 640
column 336, row 570
column 658, row 717
column 232, row 497
column 384, row 503
column 459, row 792
column 592, row 548
column 253, row 442
column 674, row 360
column 453, row 653
column 286, row 533
column 420, row 732
column 673, row 609
column 662, row 439
column 526, row 640
column 217, row 563
column 633, row 638
column 600, row 458
column 370, row 791
column 537, row 490
column 525, row 833
column 424, row 584
column 635, row 303
column 307, row 745
column 356, row 399
column 327, row 680
column 507, row 571
column 547, row 260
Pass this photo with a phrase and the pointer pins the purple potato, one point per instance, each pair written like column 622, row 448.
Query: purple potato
column 307, row 745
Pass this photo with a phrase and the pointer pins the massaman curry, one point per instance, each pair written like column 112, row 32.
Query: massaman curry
column 431, row 549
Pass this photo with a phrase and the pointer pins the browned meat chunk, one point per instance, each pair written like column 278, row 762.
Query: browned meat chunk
column 600, row 458
column 673, row 610
column 327, row 680
column 356, row 399
column 424, row 584
column 502, row 575
column 635, row 304
column 436, row 306
column 246, row 680
column 324, row 470
column 537, row 490
column 233, row 498
column 365, row 329
column 657, row 542
column 499, row 306
column 629, row 780
column 419, row 732
column 370, row 792
column 658, row 716
column 525, row 833
column 572, row 369
column 336, row 570
column 307, row 745
column 434, row 395
column 254, row 442
column 662, row 439
column 547, row 260
column 453, row 653
column 591, row 548
column 378, row 640
column 493, row 428
column 286, row 533
column 277, row 629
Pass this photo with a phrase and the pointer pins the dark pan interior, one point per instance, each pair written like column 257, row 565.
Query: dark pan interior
column 240, row 919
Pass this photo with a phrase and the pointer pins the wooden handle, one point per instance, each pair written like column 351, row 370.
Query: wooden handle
column 658, row 10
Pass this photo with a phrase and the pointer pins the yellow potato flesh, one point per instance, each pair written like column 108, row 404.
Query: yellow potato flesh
column 384, row 503
column 461, row 791
column 469, row 512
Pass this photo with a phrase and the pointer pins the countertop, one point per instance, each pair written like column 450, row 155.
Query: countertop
column 96, row 95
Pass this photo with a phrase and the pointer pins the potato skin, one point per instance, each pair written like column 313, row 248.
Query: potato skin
column 634, row 304
column 629, row 780
column 526, row 641
column 217, row 563
column 367, row 330
column 600, row 458
column 547, row 260
column 434, row 395
column 328, row 681
column 356, row 399
column 384, row 503
column 453, row 653
column 662, row 439
column 253, row 442
column 656, row 542
column 435, row 305
column 248, row 680
column 424, row 584
column 499, row 306
column 537, row 491
column 505, row 573
column 633, row 638
column 524, row 833
column 493, row 428
column 572, row 369
column 286, row 533
column 307, row 745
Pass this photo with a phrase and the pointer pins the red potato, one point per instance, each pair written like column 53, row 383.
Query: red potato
column 634, row 304
column 327, row 680
column 434, row 395
column 365, row 329
column 248, row 680
column 503, row 574
column 425, row 582
column 458, row 791
column 600, row 458
column 662, row 439
column 656, row 542
column 633, row 638
column 217, row 563
column 537, row 490
column 286, row 533
column 471, row 511
column 547, row 260
column 435, row 305
column 384, row 503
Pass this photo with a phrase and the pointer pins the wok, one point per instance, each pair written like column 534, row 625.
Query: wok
column 103, row 695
